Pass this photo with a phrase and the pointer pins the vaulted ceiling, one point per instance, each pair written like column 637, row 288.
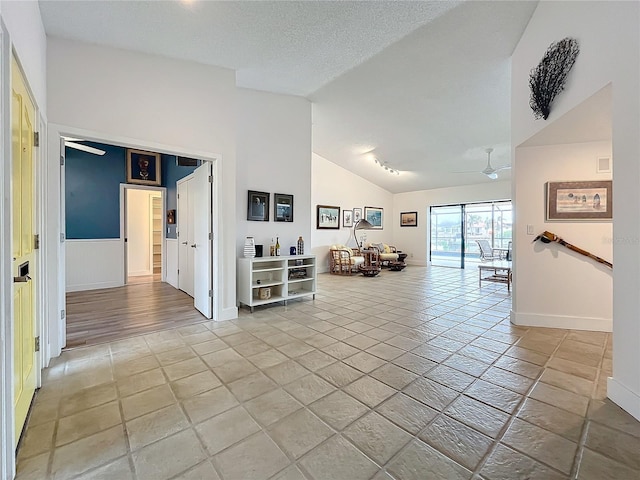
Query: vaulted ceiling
column 423, row 87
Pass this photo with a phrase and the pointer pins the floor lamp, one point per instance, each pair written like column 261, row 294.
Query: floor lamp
column 360, row 225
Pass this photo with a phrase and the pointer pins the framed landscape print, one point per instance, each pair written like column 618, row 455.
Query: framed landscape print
column 283, row 207
column 327, row 217
column 373, row 215
column 258, row 206
column 408, row 219
column 585, row 201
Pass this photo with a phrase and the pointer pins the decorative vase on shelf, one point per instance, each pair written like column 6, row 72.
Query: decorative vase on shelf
column 300, row 246
column 249, row 247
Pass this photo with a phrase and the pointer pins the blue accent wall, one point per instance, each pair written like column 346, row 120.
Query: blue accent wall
column 92, row 191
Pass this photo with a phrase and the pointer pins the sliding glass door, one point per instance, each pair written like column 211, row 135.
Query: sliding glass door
column 455, row 229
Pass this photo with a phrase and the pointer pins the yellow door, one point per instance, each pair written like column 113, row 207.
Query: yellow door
column 22, row 128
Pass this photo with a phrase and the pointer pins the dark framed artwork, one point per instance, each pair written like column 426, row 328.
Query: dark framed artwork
column 347, row 218
column 282, row 207
column 585, row 201
column 171, row 217
column 357, row 215
column 258, row 206
column 327, row 217
column 143, row 168
column 373, row 215
column 408, row 219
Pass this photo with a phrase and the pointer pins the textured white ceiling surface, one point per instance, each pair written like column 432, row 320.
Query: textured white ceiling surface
column 423, row 86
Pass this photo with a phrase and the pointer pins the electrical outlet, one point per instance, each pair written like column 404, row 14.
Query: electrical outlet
column 529, row 229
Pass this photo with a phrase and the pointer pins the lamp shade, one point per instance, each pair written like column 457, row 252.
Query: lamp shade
column 362, row 225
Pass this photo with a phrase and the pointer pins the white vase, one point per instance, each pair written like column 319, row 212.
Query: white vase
column 249, row 247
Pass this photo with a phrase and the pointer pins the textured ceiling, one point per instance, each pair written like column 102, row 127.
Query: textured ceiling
column 423, row 86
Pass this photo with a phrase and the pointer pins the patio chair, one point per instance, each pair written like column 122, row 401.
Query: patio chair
column 486, row 251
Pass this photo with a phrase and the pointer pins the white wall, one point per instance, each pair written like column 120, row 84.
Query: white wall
column 166, row 105
column 274, row 155
column 21, row 29
column 335, row 186
column 609, row 36
column 542, row 270
column 93, row 264
column 171, row 265
column 139, row 232
column 415, row 240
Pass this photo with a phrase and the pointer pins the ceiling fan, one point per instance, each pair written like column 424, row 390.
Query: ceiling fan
column 71, row 143
column 489, row 171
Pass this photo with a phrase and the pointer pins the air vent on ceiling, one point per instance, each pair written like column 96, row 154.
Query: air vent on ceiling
column 187, row 162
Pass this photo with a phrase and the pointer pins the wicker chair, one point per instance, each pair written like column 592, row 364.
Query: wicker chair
column 343, row 260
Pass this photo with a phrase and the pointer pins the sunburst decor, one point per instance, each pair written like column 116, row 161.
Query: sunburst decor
column 548, row 78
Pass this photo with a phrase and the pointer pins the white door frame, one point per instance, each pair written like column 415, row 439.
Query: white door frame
column 55, row 201
column 184, row 179
column 123, row 223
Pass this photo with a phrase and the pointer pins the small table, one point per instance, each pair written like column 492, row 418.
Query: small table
column 371, row 265
column 502, row 252
column 497, row 271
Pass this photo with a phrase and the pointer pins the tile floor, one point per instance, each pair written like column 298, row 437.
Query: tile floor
column 410, row 375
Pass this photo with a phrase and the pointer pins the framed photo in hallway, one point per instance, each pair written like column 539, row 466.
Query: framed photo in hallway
column 586, row 201
column 282, row 207
column 143, row 168
column 408, row 219
column 258, row 206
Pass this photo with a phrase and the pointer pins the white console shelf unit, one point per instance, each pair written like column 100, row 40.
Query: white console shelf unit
column 288, row 277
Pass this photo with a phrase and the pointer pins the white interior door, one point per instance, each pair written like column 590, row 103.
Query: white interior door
column 202, row 193
column 185, row 236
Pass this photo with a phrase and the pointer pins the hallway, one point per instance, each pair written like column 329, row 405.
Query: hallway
column 409, row 375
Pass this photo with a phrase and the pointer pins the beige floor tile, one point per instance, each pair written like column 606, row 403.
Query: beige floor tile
column 483, row 418
column 338, row 459
column 414, row 363
column 419, row 461
column 255, row 458
column 226, row 429
column 209, row 347
column 315, row 360
column 394, row 376
column 573, row 368
column 552, row 418
column 560, row 398
column 361, row 342
column 168, row 457
column 580, row 352
column 87, row 422
column 202, row 471
column 286, row 372
column 377, row 437
column 38, row 439
column 208, row 404
column 33, row 468
column 610, row 414
column 273, row 406
column 339, row 374
column 310, row 388
column 464, row 445
column 466, row 365
column 220, row 357
column 338, row 409
column 524, row 354
column 234, row 370
column 155, row 425
column 407, row 413
column 369, row 391
column 340, row 350
column 450, row 377
column 141, row 381
column 594, row 466
column 118, row 469
column 89, row 452
column 185, row 368
column 291, row 473
column 542, row 445
column 365, row 362
column 88, row 398
column 136, row 366
column 493, row 395
column 299, row 432
column 147, row 401
column 511, row 381
column 568, row 382
column 179, row 354
column 195, row 384
column 251, row 386
column 267, row 358
column 431, row 393
column 619, row 446
column 507, row 464
column 521, row 367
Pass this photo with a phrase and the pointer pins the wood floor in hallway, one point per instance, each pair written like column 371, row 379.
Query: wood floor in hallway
column 98, row 316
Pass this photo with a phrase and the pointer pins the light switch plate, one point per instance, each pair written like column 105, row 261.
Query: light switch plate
column 529, row 229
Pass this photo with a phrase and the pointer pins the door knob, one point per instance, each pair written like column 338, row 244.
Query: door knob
column 193, row 246
column 21, row 279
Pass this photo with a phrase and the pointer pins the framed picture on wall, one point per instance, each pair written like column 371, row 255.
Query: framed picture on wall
column 258, row 206
column 327, row 217
column 408, row 219
column 171, row 217
column 373, row 215
column 357, row 215
column 347, row 218
column 143, row 168
column 283, row 207
column 586, row 201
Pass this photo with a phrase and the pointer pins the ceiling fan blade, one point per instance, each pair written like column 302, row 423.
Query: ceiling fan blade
column 492, row 175
column 504, row 167
column 84, row 148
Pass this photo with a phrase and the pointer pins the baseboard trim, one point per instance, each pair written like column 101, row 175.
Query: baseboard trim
column 622, row 396
column 93, row 286
column 561, row 321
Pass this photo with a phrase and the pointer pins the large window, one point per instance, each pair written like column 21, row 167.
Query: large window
column 455, row 229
